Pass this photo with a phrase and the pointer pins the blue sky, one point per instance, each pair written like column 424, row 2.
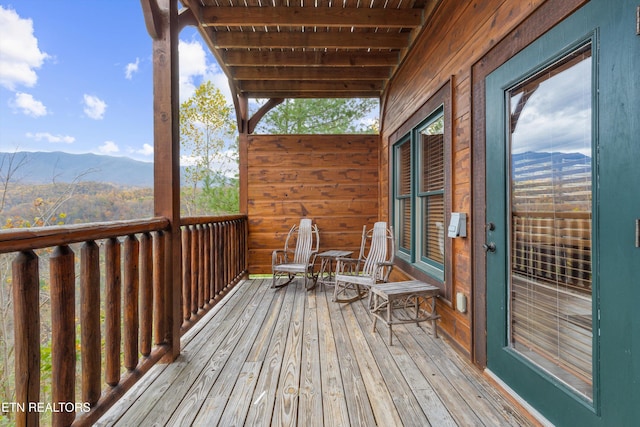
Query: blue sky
column 76, row 76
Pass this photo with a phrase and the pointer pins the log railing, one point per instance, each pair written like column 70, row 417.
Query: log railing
column 110, row 287
column 215, row 259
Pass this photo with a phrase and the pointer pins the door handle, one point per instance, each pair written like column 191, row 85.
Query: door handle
column 489, row 247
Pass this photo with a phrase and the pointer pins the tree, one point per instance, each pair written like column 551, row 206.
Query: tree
column 320, row 116
column 206, row 130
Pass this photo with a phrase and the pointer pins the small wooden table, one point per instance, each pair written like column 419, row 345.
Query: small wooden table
column 326, row 265
column 385, row 297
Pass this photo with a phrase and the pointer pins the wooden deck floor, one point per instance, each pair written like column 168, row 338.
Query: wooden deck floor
column 294, row 357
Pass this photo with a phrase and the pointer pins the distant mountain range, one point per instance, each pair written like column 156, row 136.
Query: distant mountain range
column 46, row 168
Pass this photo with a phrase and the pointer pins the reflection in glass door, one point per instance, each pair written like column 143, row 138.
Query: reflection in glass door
column 550, row 280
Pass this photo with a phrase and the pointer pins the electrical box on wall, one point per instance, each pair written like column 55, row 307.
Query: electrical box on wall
column 457, row 225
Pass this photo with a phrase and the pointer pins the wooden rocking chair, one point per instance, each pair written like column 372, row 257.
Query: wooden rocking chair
column 355, row 276
column 299, row 261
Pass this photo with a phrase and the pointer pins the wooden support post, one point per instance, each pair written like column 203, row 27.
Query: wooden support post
column 146, row 293
column 159, row 279
column 63, row 334
column 131, row 285
column 112, row 312
column 166, row 108
column 206, row 261
column 195, row 271
column 90, row 321
column 186, row 274
column 26, row 312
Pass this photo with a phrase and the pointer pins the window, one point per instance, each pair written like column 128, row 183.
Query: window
column 551, row 204
column 419, row 196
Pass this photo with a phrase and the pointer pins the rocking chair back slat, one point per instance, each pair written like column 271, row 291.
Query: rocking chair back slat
column 377, row 250
column 304, row 242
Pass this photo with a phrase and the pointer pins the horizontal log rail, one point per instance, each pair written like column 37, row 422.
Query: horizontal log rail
column 106, row 278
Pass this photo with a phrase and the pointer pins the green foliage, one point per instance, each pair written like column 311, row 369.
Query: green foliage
column 207, row 127
column 320, row 116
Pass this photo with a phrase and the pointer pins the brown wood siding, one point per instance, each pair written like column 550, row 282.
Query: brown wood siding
column 332, row 179
column 458, row 37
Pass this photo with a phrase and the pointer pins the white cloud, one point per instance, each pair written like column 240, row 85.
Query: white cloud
column 28, row 105
column 146, row 150
column 19, row 52
column 39, row 136
column 94, row 107
column 194, row 68
column 193, row 63
column 131, row 68
column 187, row 160
column 109, row 147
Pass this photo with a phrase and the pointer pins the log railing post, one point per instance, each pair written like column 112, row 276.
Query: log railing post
column 90, row 321
column 112, row 315
column 146, row 293
column 186, row 274
column 131, row 285
column 216, row 261
column 200, row 231
column 159, row 318
column 206, row 261
column 26, row 315
column 194, row 269
column 63, row 334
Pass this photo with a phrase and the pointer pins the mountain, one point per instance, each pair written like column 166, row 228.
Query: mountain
column 49, row 167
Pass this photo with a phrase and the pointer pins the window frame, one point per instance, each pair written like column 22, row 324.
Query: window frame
column 409, row 132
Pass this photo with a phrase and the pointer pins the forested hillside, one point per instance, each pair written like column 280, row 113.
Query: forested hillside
column 49, row 204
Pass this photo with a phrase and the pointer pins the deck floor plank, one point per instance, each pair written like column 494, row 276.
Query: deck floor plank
column 310, row 404
column 219, row 391
column 359, row 406
column 334, row 402
column 279, row 357
column 285, row 411
column 177, row 377
column 436, row 412
column 261, row 409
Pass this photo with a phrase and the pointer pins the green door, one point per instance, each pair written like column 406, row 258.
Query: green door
column 563, row 212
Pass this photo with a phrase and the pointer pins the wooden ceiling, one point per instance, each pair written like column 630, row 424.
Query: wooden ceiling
column 309, row 49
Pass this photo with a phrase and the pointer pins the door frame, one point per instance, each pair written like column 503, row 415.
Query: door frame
column 548, row 15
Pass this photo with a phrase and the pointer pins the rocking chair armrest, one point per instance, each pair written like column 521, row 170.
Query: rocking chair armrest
column 386, row 267
column 347, row 265
column 279, row 256
column 384, row 264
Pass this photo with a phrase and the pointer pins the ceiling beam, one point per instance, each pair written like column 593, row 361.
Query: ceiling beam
column 334, row 40
column 310, row 86
column 319, row 94
column 311, row 73
column 311, row 16
column 310, row 58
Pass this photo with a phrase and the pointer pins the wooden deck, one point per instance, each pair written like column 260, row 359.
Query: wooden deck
column 294, row 357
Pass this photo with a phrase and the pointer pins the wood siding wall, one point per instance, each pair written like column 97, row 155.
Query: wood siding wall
column 332, row 179
column 459, row 36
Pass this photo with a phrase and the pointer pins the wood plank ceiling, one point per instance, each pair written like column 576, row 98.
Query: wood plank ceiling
column 309, row 49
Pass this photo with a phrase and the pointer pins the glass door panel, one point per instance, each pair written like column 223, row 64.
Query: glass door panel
column 550, row 208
